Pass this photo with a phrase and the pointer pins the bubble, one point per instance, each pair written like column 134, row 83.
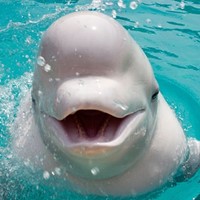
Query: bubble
column 47, row 68
column 95, row 171
column 133, row 5
column 41, row 61
column 46, row 175
column 114, row 14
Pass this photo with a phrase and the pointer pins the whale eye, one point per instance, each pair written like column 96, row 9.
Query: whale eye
column 155, row 95
column 33, row 100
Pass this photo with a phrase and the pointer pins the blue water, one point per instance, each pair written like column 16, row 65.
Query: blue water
column 168, row 32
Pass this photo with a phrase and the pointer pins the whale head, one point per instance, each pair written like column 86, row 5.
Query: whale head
column 94, row 95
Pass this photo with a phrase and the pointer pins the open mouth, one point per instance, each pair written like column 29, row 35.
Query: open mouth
column 94, row 126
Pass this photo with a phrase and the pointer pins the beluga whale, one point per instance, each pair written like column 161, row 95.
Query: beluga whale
column 95, row 110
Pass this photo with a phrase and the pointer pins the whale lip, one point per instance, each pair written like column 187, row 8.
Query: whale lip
column 93, row 128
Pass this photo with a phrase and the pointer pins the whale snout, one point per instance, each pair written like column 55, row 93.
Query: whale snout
column 95, row 93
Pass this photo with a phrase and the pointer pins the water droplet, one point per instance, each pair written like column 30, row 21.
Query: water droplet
column 27, row 162
column 73, row 110
column 136, row 25
column 95, row 171
column 114, row 14
column 143, row 132
column 160, row 181
column 133, row 5
column 109, row 3
column 29, row 60
column 46, row 175
column 57, row 79
column 47, row 68
column 182, row 5
column 58, row 100
column 28, row 40
column 77, row 74
column 148, row 20
column 9, row 156
column 121, row 4
column 121, row 105
column 58, row 171
column 81, row 82
column 41, row 61
column 39, row 92
column 124, row 39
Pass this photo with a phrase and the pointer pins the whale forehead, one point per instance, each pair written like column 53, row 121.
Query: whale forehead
column 87, row 43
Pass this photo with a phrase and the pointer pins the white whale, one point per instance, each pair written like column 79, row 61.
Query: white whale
column 98, row 113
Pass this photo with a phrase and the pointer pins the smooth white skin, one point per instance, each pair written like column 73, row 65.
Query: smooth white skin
column 95, row 64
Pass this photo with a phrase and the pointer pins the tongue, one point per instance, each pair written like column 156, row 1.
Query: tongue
column 92, row 122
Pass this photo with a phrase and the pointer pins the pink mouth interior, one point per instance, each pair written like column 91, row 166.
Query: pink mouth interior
column 90, row 125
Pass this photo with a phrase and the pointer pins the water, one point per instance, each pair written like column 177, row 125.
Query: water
column 168, row 32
